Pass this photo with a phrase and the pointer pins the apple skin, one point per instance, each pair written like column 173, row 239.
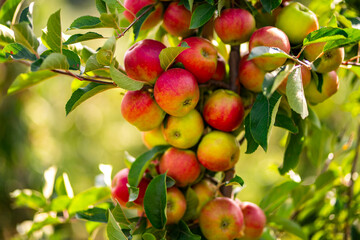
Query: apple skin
column 176, row 205
column 297, row 21
column 153, row 138
column 176, row 20
column 181, row 165
column 205, row 192
column 234, row 26
column 269, row 37
column 141, row 110
column 329, row 88
column 142, row 61
column 224, row 110
column 134, row 6
column 305, row 77
column 328, row 62
column 220, row 72
column 250, row 75
column 184, row 132
column 221, row 218
column 200, row 59
column 177, row 92
column 119, row 189
column 218, row 151
column 254, row 220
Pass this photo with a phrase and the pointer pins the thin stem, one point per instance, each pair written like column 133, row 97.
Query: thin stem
column 234, row 60
column 81, row 78
column 301, row 62
column 210, row 83
column 351, row 63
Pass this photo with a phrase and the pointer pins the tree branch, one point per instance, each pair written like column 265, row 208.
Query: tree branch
column 81, row 78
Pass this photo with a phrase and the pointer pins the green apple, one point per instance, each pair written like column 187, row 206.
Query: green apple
column 153, row 138
column 205, row 191
column 329, row 87
column 175, row 205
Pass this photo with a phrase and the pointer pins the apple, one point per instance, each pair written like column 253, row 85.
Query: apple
column 305, row 77
column 176, row 20
column 177, row 92
column 329, row 87
column 200, row 59
column 254, row 220
column 220, row 72
column 224, row 110
column 205, row 192
column 181, row 165
column 221, row 218
column 250, row 75
column 119, row 189
column 234, row 26
column 134, row 6
column 328, row 61
column 141, row 110
column 269, row 37
column 175, row 205
column 153, row 138
column 218, row 151
column 297, row 21
column 142, row 61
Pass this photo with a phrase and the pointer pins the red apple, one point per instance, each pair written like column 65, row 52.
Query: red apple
column 224, row 110
column 200, row 59
column 177, row 20
column 221, row 218
column 329, row 87
column 250, row 75
column 181, row 165
column 134, row 6
column 254, row 220
column 142, row 61
column 153, row 138
column 269, row 37
column 205, row 192
column 220, row 72
column 234, row 26
column 305, row 77
column 175, row 206
column 218, row 151
column 141, row 110
column 177, row 92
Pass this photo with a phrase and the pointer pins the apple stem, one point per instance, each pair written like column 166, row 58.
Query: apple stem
column 234, row 60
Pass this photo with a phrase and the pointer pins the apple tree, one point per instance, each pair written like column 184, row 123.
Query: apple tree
column 202, row 78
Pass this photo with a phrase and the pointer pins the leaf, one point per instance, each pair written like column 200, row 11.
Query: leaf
column 123, row 81
column 18, row 51
column 24, row 35
column 114, row 6
column 93, row 214
column 168, row 55
column 235, row 181
column 63, row 186
column 29, row 79
column 201, row 15
column 286, row 122
column 87, row 198
column 86, row 22
column 82, row 94
column 101, row 6
column 6, row 35
column 325, row 34
column 29, row 198
column 148, row 236
column 7, row 11
column 106, row 53
column 313, row 118
column 53, row 38
column 60, row 203
column 353, row 37
column 27, row 15
column 119, row 215
column 139, row 23
column 325, row 178
column 181, row 231
column 274, row 79
column 270, row 5
column 155, row 201
column 83, row 37
column 221, row 4
column 263, row 51
column 251, row 144
column 109, row 20
column 262, row 116
column 55, row 61
column 47, row 221
column 192, row 203
column 113, row 229
column 92, row 64
column 72, row 59
column 289, row 226
column 295, row 93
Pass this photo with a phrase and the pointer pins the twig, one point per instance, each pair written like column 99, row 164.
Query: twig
column 81, row 78
column 234, row 60
column 351, row 63
column 215, row 83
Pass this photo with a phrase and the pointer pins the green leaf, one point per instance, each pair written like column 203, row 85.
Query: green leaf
column 72, row 58
column 313, row 118
column 25, row 36
column 295, row 93
column 18, row 51
column 113, row 229
column 86, row 22
column 109, row 20
column 139, row 23
column 181, row 231
column 262, row 117
column 101, row 6
column 87, row 198
column 155, row 201
column 148, row 236
column 92, row 64
column 29, row 79
column 221, row 4
column 119, row 215
column 353, row 37
column 27, row 15
column 83, row 37
column 60, row 203
column 6, row 35
column 168, row 55
column 53, row 37
column 252, row 145
column 55, row 61
column 325, row 34
column 93, row 214
column 192, row 203
column 29, row 198
column 267, row 52
column 325, row 178
column 270, row 5
column 63, row 186
column 286, row 122
column 235, row 181
column 114, row 6
column 124, row 81
column 201, row 15
column 82, row 94
column 289, row 226
column 106, row 53
column 47, row 221
column 274, row 79
column 7, row 11
column 138, row 167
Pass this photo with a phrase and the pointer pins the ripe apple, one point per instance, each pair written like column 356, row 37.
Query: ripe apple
column 181, row 165
column 254, row 220
column 250, row 75
column 153, row 138
column 119, row 189
column 269, row 37
column 297, row 21
column 183, row 132
column 205, row 191
column 176, row 20
column 305, row 77
column 221, row 218
column 220, row 72
column 141, row 110
column 328, row 62
column 234, row 26
column 134, row 6
column 142, row 61
column 175, row 206
column 329, row 87
column 177, row 92
column 200, row 59
column 224, row 110
column 218, row 151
